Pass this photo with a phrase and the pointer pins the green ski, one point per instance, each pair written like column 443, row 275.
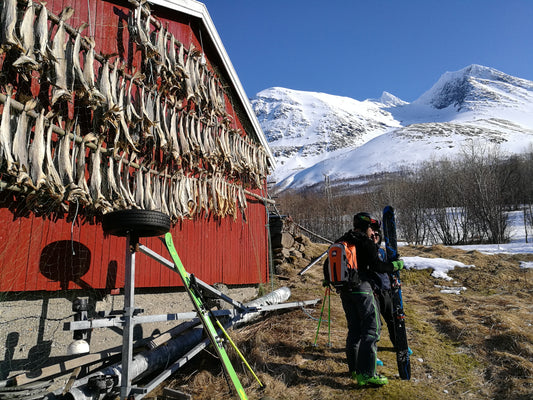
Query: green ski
column 203, row 314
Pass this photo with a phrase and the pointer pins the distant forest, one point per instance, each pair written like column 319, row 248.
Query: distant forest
column 459, row 201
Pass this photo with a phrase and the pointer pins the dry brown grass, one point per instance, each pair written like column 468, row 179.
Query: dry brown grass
column 476, row 345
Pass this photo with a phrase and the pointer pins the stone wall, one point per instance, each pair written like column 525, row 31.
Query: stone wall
column 288, row 243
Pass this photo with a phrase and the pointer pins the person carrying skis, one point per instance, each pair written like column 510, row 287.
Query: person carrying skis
column 359, row 303
column 381, row 283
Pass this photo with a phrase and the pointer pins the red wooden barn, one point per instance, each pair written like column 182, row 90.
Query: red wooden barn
column 111, row 105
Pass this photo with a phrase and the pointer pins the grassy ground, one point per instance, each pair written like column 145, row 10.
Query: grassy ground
column 476, row 345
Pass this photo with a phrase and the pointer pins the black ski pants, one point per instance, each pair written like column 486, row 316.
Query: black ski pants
column 364, row 326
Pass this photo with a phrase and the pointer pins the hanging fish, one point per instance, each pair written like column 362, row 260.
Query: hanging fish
column 156, row 192
column 96, row 98
column 20, row 142
column 122, row 125
column 42, row 51
column 176, row 191
column 171, row 59
column 64, row 166
column 132, row 115
column 113, row 81
column 53, row 181
column 8, row 20
column 81, row 165
column 161, row 49
column 173, row 132
column 105, row 84
column 124, row 186
column 60, row 90
column 143, row 30
column 75, row 79
column 113, row 191
column 149, row 203
column 95, row 187
column 27, row 36
column 157, row 122
column 37, row 154
column 139, row 187
column 5, row 134
column 172, row 211
column 184, row 144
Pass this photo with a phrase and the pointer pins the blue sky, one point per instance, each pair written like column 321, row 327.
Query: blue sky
column 360, row 48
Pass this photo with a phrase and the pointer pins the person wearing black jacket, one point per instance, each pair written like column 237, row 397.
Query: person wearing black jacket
column 359, row 303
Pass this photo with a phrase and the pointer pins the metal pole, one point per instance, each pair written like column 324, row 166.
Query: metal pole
column 129, row 309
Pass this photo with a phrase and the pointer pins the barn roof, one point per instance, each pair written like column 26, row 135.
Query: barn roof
column 198, row 10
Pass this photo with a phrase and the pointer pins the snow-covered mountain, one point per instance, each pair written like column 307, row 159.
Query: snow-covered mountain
column 313, row 135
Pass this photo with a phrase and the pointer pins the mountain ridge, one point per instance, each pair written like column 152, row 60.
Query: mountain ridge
column 313, row 134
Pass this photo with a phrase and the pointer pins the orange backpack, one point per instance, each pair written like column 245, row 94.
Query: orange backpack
column 342, row 264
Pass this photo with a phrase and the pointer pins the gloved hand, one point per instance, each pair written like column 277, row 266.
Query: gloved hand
column 398, row 265
column 325, row 283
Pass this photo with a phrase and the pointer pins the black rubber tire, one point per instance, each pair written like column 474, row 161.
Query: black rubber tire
column 139, row 223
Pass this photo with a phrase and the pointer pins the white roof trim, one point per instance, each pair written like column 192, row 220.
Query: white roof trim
column 199, row 10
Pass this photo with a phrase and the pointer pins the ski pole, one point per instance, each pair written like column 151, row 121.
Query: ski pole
column 329, row 317
column 238, row 352
column 326, row 292
column 305, row 269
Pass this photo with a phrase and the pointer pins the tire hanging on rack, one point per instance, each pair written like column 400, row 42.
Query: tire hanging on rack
column 140, row 223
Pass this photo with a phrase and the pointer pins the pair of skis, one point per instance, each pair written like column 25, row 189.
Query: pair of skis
column 400, row 334
column 207, row 318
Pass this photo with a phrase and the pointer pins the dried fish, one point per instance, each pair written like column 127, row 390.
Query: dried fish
column 53, row 181
column 96, row 98
column 143, row 31
column 156, row 192
column 114, row 193
column 27, row 35
column 131, row 113
column 157, row 123
column 105, row 84
column 64, row 166
column 81, row 163
column 161, row 48
column 176, row 194
column 95, row 188
column 27, row 60
column 139, row 188
column 123, row 126
column 173, row 132
column 204, row 196
column 20, row 142
column 37, row 153
column 59, row 90
column 213, row 204
column 41, row 34
column 184, row 144
column 123, row 183
column 171, row 189
column 147, row 105
column 164, row 194
column 75, row 72
column 171, row 59
column 113, row 81
column 189, row 76
column 8, row 20
column 5, row 134
column 164, row 115
column 149, row 203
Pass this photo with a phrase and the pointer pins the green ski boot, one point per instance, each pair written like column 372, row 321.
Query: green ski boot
column 365, row 380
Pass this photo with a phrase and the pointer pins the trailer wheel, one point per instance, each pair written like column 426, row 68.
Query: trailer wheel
column 139, row 223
